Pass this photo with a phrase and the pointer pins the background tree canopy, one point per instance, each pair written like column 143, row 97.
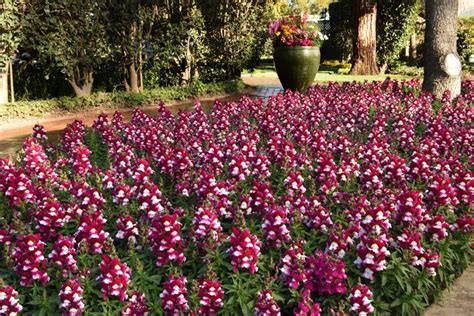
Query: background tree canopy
column 125, row 44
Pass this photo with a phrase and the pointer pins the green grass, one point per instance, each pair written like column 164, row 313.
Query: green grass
column 328, row 71
column 114, row 100
column 326, row 77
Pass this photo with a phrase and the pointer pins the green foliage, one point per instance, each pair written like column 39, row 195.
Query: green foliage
column 342, row 30
column 465, row 43
column 179, row 49
column 396, row 21
column 405, row 290
column 10, row 11
column 68, row 33
column 120, row 99
column 233, row 29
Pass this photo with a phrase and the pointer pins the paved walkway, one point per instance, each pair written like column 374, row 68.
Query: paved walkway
column 458, row 300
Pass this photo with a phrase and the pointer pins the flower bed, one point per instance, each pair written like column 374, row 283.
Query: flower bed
column 354, row 198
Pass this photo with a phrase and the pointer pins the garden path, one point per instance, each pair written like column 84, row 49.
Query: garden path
column 458, row 300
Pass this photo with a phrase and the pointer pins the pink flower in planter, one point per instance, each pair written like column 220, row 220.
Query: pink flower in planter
column 326, row 173
column 338, row 242
column 261, row 166
column 136, row 305
column 122, row 194
column 80, row 160
column 28, row 258
column 165, row 238
column 437, row 228
column 207, row 227
column 377, row 220
column 419, row 167
column 114, row 278
column 441, row 193
column 275, row 227
column 5, row 237
column 245, row 204
column 141, row 172
column 89, row 196
column 261, row 197
column 410, row 208
column 17, row 187
column 210, row 297
column 127, row 228
column 50, row 216
column 92, row 231
column 71, row 298
column 326, row 275
column 64, row 255
column 122, row 157
column 361, row 300
column 73, row 136
column 149, row 198
column 430, row 260
column 39, row 133
column 294, row 182
column 292, row 264
column 372, row 253
column 101, row 123
column 411, row 240
column 174, row 296
column 244, row 250
column 316, row 216
column 212, row 160
column 239, row 167
column 266, row 304
column 371, row 179
column 395, row 170
column 306, row 306
column 9, row 303
column 463, row 223
column 205, row 185
column 37, row 165
column 465, row 187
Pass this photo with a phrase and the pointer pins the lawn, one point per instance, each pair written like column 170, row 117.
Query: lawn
column 329, row 71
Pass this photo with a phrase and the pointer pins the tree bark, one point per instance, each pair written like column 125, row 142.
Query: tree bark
column 4, row 84
column 12, row 87
column 134, row 85
column 365, row 54
column 186, row 75
column 413, row 51
column 82, row 84
column 442, row 66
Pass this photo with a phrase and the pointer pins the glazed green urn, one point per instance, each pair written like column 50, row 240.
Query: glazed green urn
column 296, row 66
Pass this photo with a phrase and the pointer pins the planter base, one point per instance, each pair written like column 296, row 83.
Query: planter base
column 296, row 66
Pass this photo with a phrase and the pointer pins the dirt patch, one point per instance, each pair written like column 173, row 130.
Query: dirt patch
column 458, row 300
column 270, row 79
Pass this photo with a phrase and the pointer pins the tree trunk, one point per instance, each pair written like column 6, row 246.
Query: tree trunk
column 186, row 75
column 413, row 52
column 12, row 87
column 82, row 84
column 4, row 84
column 442, row 65
column 365, row 55
column 134, row 85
